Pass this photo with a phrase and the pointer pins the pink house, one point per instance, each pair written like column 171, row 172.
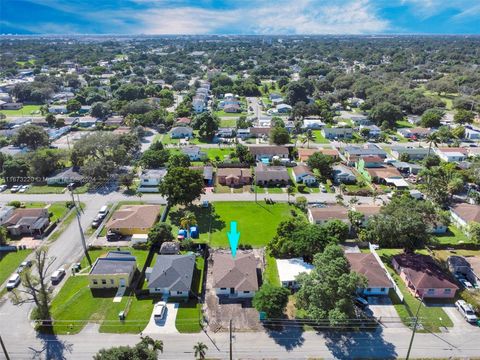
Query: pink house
column 423, row 277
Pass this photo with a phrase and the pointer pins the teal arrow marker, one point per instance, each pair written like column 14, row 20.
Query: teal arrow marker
column 233, row 237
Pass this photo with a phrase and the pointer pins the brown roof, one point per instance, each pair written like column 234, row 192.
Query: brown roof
column 274, row 173
column 329, row 213
column 304, row 154
column 134, row 216
column 184, row 120
column 467, row 212
column 18, row 214
column 367, row 210
column 270, row 150
column 372, row 158
column 239, row 272
column 423, row 272
column 302, row 169
column 453, row 149
column 330, row 152
column 256, row 131
column 384, row 172
column 368, row 266
column 236, row 172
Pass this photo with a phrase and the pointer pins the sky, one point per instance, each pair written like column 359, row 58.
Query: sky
column 245, row 17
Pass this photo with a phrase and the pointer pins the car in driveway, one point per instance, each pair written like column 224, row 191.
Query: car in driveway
column 113, row 236
column 159, row 310
column 57, row 276
column 466, row 310
column 13, row 282
column 360, row 302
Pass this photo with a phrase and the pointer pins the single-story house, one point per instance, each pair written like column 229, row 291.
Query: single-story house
column 289, row 269
column 304, row 154
column 30, row 221
column 313, row 123
column 133, row 219
column 321, row 215
column 472, row 133
column 353, row 152
column 183, row 121
column 367, row 265
column 462, row 214
column 260, row 131
column 181, row 132
column 11, row 106
column 414, row 153
column 452, row 154
column 408, row 168
column 369, row 161
column 234, row 176
column 337, row 132
column 65, row 177
column 283, row 108
column 271, row 175
column 243, row 133
column 303, row 174
column 57, row 109
column 360, row 120
column 150, row 179
column 114, row 270
column 343, row 174
column 207, row 173
column 171, row 275
column 380, row 175
column 198, row 105
column 414, row 133
column 373, row 130
column 232, row 108
column 114, row 121
column 469, row 266
column 367, row 211
column 194, row 153
column 226, row 133
column 235, row 277
column 268, row 152
column 6, row 212
column 423, row 277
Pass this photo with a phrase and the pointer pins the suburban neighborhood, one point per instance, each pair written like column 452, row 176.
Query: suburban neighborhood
column 239, row 197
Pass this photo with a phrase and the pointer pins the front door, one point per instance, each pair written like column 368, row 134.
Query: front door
column 122, row 283
column 232, row 291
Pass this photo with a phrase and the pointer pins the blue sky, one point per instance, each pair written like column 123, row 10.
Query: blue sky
column 239, row 16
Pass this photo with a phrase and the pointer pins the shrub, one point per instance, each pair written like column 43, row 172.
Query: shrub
column 14, row 203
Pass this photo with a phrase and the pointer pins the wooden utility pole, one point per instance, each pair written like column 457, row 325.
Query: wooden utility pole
column 4, row 348
column 231, row 352
column 82, row 235
column 414, row 329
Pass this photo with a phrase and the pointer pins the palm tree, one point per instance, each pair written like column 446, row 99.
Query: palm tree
column 188, row 219
column 432, row 139
column 156, row 345
column 339, row 199
column 308, row 137
column 200, row 350
column 291, row 191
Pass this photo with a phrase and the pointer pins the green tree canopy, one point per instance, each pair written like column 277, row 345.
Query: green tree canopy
column 182, row 186
column 31, row 136
column 272, row 300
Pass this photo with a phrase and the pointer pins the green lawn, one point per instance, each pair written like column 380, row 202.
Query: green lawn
column 271, row 271
column 319, row 138
column 429, row 315
column 222, row 153
column 66, row 221
column 25, row 110
column 228, row 123
column 48, row 189
column 403, row 124
column 10, row 261
column 221, row 113
column 257, row 222
column 58, row 210
column 453, row 236
column 446, row 98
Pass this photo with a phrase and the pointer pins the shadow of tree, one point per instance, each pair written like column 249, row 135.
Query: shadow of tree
column 207, row 218
column 363, row 344
column 288, row 337
column 53, row 348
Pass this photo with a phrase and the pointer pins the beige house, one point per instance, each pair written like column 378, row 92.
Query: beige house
column 133, row 219
column 321, row 215
column 114, row 270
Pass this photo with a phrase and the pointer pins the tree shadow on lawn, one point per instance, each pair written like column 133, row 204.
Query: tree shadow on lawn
column 207, row 218
column 289, row 337
column 53, row 348
column 359, row 345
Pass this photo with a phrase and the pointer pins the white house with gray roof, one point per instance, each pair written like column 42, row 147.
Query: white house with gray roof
column 171, row 275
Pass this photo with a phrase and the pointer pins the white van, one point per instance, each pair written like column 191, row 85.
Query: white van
column 103, row 211
column 13, row 282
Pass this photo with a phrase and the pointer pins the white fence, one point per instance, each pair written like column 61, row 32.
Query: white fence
column 395, row 287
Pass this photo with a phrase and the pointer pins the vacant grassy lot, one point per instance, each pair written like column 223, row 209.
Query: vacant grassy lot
column 228, row 122
column 58, row 210
column 257, row 222
column 319, row 138
column 222, row 153
column 25, row 110
column 432, row 318
column 10, row 261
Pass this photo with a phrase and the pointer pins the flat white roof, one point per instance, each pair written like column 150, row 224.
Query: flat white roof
column 397, row 182
column 288, row 269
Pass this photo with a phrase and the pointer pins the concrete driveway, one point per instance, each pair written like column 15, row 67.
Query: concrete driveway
column 165, row 325
column 459, row 323
column 382, row 308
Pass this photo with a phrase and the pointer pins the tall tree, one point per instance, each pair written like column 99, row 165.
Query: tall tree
column 207, row 124
column 272, row 300
column 31, row 136
column 159, row 234
column 327, row 293
column 182, row 186
column 322, row 163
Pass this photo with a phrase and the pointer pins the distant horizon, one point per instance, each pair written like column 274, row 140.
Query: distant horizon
column 225, row 17
column 386, row 35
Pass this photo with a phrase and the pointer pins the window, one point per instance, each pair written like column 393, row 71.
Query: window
column 112, row 281
column 179, row 292
column 95, row 282
column 369, row 289
column 431, row 291
column 447, row 291
column 104, row 282
column 246, row 292
column 223, row 288
column 382, row 289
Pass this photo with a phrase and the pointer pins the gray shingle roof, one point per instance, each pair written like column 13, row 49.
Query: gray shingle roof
column 174, row 272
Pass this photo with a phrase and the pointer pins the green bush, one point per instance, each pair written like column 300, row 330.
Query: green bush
column 14, row 203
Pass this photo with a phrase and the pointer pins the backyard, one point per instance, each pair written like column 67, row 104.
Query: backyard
column 25, row 110
column 431, row 318
column 257, row 222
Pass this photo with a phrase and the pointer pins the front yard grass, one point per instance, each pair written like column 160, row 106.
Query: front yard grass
column 25, row 110
column 58, row 210
column 228, row 122
column 222, row 153
column 9, row 261
column 319, row 138
column 432, row 318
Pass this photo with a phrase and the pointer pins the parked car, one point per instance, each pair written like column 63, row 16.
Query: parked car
column 103, row 211
column 3, row 187
column 13, row 282
column 23, row 188
column 23, row 265
column 97, row 221
column 466, row 310
column 360, row 302
column 159, row 310
column 57, row 276
column 113, row 236
column 465, row 283
column 15, row 188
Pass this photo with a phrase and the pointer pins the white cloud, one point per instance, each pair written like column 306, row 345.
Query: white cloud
column 267, row 17
column 429, row 8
